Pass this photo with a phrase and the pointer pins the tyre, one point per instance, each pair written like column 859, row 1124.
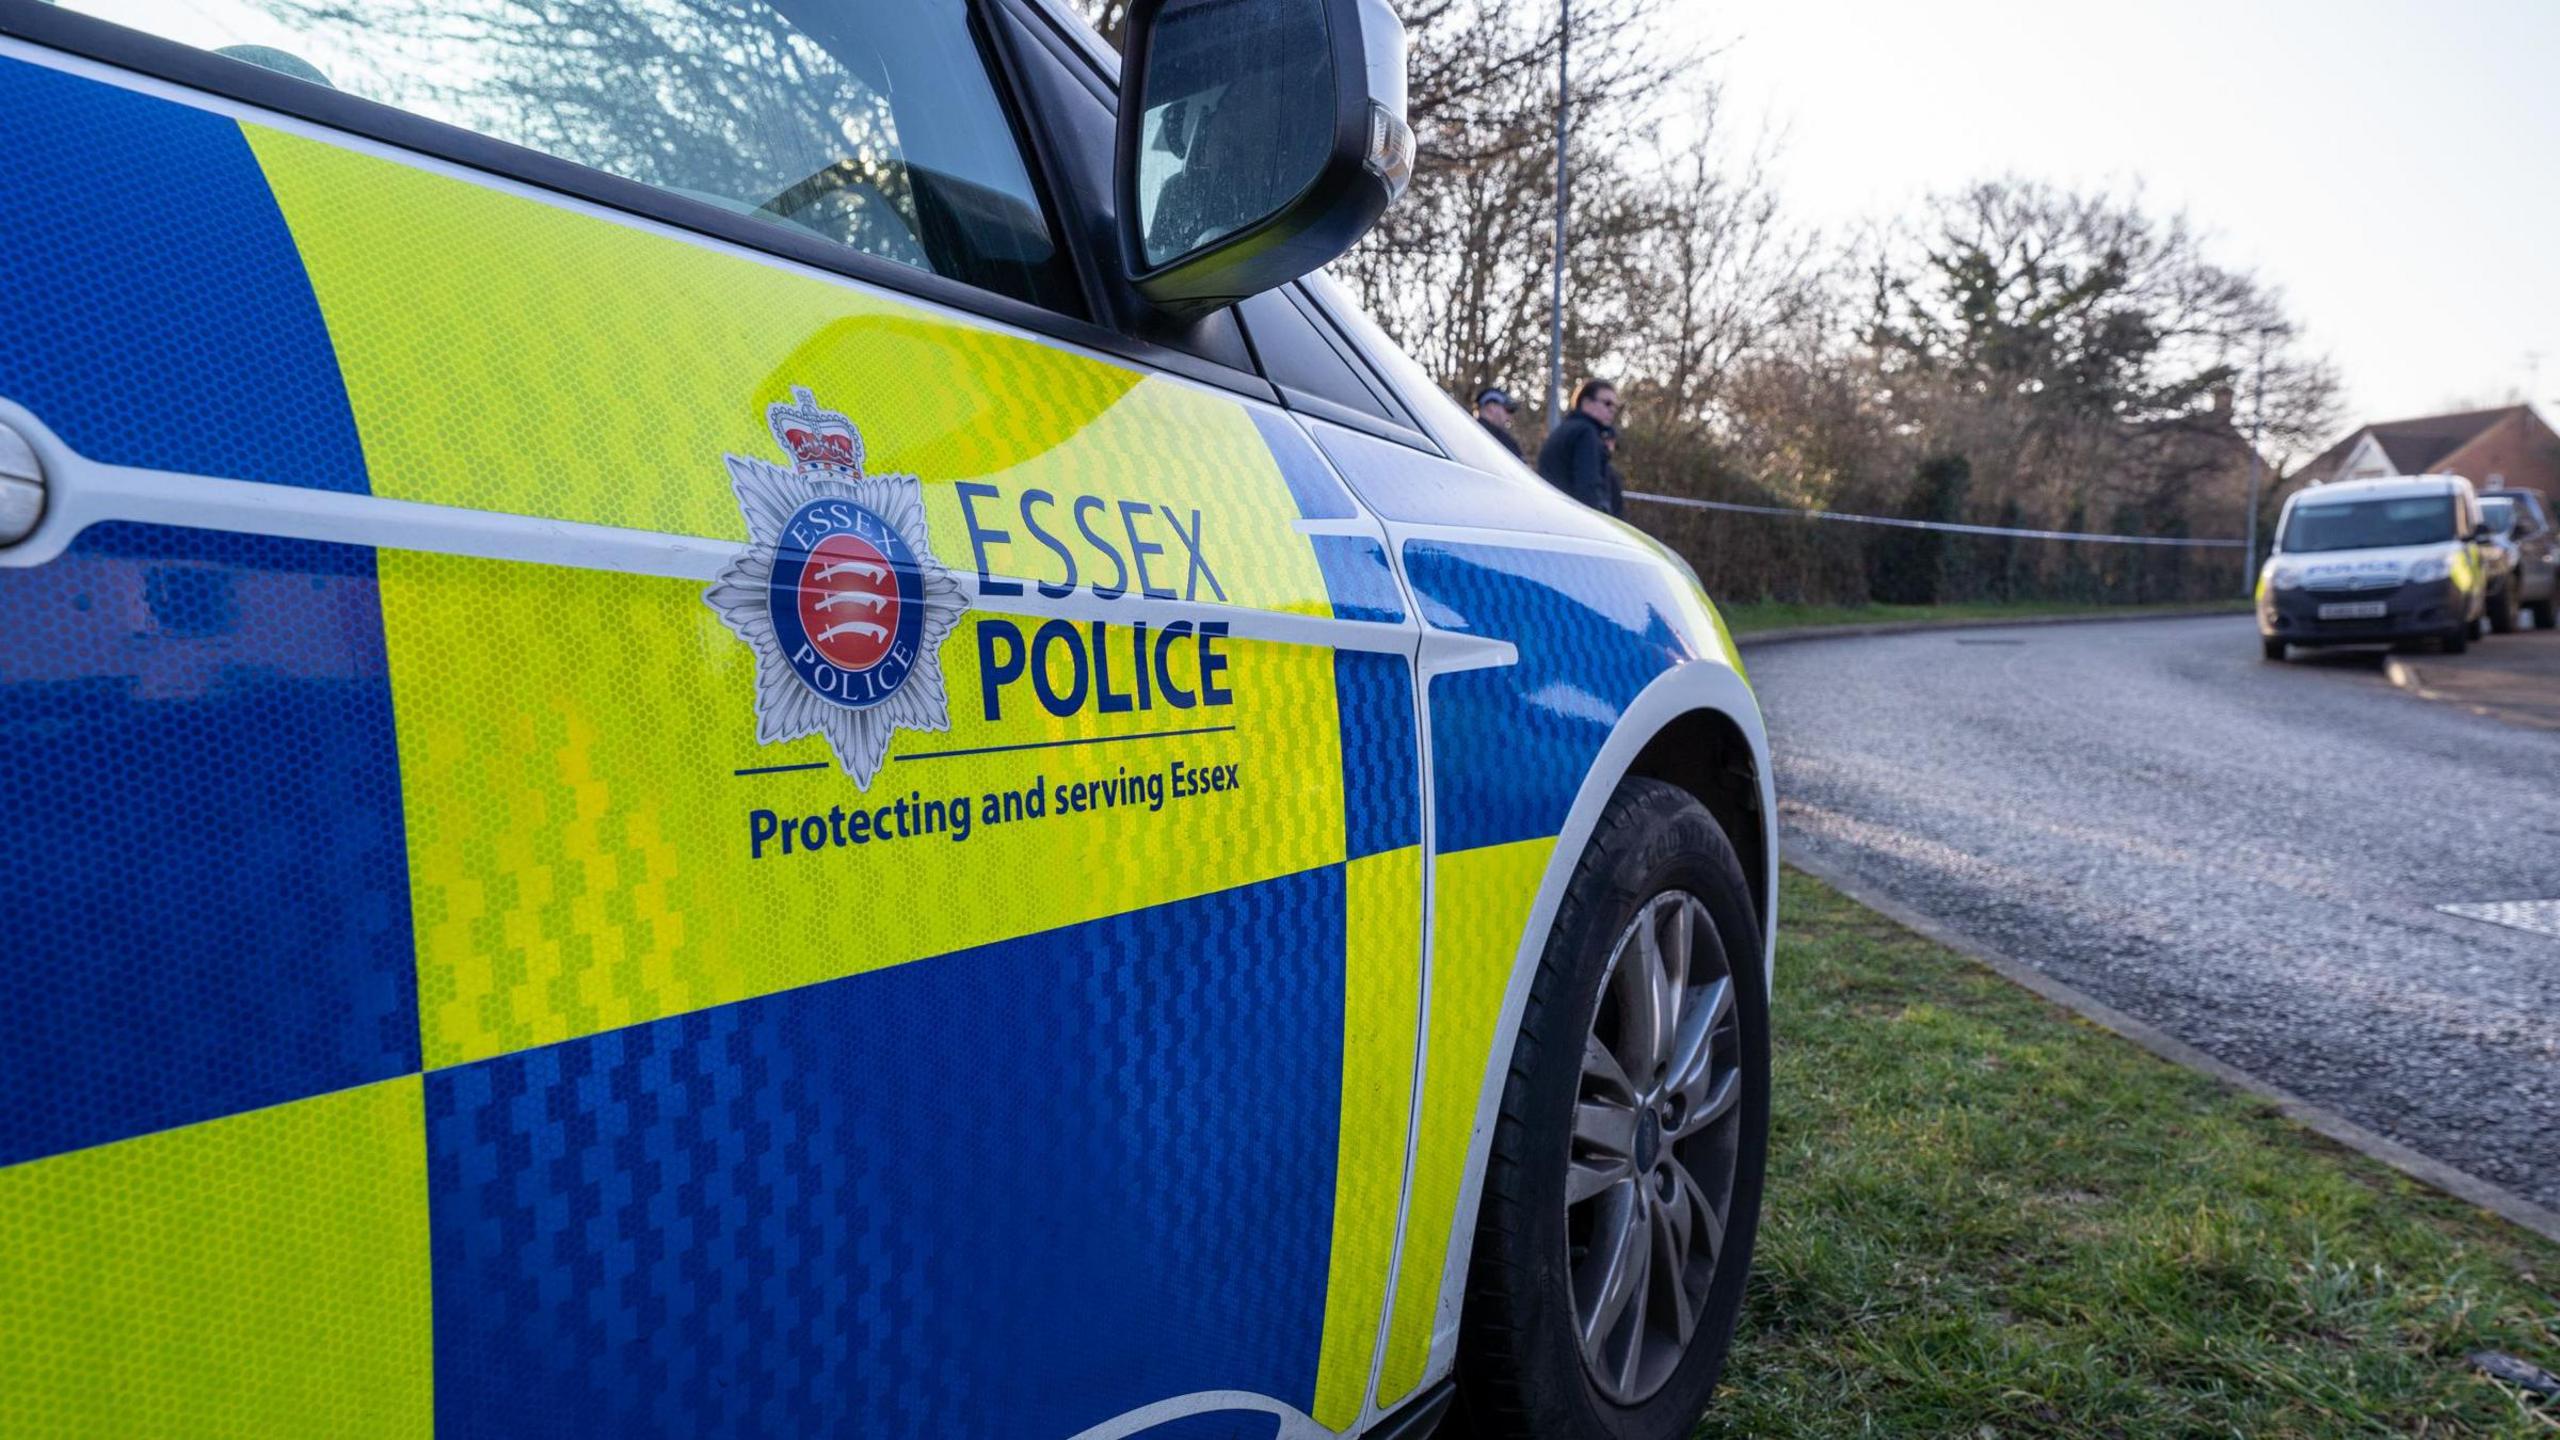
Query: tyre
column 2458, row 639
column 2546, row 613
column 2502, row 611
column 2272, row 649
column 1623, row 1193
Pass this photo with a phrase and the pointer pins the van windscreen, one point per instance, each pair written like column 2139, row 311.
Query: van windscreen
column 2369, row 524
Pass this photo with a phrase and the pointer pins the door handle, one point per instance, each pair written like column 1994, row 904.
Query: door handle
column 21, row 487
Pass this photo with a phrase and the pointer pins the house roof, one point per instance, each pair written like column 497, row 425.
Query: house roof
column 2411, row 445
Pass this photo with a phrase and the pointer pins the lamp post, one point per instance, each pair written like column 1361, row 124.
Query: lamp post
column 1555, row 312
column 2257, row 428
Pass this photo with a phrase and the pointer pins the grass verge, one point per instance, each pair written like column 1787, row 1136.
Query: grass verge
column 1783, row 615
column 1988, row 1218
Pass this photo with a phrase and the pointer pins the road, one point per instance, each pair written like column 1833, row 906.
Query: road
column 2519, row 684
column 2248, row 856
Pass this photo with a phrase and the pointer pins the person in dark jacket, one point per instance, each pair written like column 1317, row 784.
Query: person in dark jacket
column 1575, row 458
column 1493, row 412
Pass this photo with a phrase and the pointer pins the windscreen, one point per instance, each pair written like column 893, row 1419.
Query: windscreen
column 2498, row 515
column 2369, row 524
column 871, row 125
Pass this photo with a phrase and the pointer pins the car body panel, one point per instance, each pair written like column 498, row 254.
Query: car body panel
column 1612, row 651
column 382, row 587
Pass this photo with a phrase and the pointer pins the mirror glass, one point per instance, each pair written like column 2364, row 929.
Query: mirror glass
column 1237, row 118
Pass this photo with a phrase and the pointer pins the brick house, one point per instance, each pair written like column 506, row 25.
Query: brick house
column 2506, row 446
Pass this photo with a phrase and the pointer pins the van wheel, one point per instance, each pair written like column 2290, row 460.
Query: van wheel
column 2458, row 639
column 2272, row 649
column 1623, row 1193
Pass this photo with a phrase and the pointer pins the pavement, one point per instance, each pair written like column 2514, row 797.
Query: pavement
column 2249, row 857
column 2514, row 678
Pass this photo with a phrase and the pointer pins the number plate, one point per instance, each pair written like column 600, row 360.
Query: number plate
column 2355, row 610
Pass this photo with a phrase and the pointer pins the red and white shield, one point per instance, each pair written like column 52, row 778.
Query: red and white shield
column 849, row 601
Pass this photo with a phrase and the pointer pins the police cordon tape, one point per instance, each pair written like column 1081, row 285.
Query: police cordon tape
column 1947, row 525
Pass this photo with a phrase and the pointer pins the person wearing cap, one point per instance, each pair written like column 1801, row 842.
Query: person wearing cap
column 1493, row 412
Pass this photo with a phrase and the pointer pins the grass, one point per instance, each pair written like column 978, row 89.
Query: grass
column 1987, row 1219
column 1784, row 615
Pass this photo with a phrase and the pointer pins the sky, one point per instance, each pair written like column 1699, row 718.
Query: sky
column 2392, row 167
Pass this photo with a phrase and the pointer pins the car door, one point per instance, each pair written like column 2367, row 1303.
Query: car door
column 654, row 788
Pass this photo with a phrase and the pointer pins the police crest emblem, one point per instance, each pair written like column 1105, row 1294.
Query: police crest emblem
column 837, row 592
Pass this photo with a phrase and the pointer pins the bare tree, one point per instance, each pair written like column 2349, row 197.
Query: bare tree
column 1719, row 276
column 1457, row 270
column 2089, row 361
column 2083, row 352
column 1106, row 16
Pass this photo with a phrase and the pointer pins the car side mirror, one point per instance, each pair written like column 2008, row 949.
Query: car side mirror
column 1258, row 140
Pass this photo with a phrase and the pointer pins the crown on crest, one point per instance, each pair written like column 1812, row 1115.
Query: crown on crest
column 816, row 440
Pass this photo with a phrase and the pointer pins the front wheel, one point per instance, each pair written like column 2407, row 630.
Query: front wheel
column 1623, row 1193
column 2271, row 649
column 2502, row 611
column 2546, row 612
column 2458, row 639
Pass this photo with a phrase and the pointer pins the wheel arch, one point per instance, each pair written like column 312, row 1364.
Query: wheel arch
column 1696, row 726
column 1705, row 753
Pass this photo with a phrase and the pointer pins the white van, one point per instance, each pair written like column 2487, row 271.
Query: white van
column 2368, row 562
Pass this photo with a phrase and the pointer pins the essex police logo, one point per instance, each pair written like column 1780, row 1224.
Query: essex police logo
column 837, row 592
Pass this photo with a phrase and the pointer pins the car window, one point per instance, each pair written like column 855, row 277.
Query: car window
column 2372, row 524
column 2498, row 515
column 1300, row 352
column 871, row 125
column 1444, row 419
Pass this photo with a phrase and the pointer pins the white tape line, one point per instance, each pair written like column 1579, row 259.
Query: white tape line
column 2542, row 917
column 1685, row 502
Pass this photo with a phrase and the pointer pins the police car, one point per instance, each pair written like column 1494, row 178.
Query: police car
column 748, row 720
column 2375, row 561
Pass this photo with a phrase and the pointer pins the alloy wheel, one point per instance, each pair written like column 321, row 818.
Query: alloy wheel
column 1656, row 1134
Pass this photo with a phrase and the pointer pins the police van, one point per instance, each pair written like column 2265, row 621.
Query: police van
column 2377, row 561
column 754, row 719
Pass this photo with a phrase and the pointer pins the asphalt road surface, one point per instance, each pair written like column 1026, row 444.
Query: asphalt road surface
column 2249, row 856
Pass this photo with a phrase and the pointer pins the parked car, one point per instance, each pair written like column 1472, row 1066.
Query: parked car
column 2498, row 565
column 2520, row 520
column 2368, row 562
column 763, row 720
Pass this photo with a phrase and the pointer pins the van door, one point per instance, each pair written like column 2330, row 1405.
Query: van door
column 641, row 804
